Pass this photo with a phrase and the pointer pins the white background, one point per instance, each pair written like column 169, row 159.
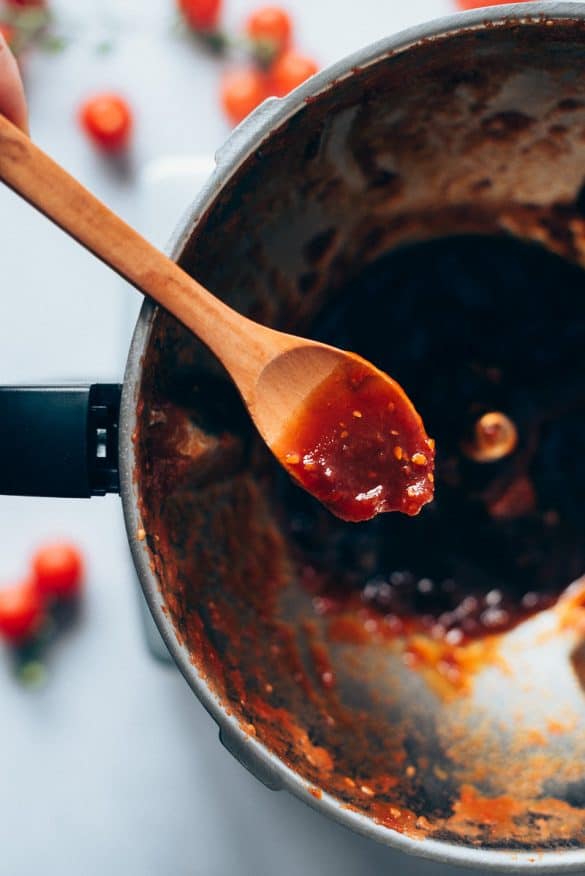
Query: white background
column 114, row 767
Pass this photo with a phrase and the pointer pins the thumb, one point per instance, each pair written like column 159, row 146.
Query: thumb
column 12, row 99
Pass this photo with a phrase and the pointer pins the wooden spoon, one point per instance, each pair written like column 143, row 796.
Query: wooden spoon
column 277, row 374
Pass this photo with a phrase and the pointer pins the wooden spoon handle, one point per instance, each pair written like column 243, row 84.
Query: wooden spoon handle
column 43, row 183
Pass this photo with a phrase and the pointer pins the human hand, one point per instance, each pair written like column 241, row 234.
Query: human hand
column 12, row 99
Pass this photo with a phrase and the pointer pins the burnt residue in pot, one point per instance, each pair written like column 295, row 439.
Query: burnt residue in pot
column 289, row 612
column 404, row 667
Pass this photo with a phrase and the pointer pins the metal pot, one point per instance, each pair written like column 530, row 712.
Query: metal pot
column 471, row 125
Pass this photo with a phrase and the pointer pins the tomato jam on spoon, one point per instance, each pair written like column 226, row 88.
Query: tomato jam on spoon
column 359, row 445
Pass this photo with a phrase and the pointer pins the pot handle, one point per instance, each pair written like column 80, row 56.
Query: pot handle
column 59, row 440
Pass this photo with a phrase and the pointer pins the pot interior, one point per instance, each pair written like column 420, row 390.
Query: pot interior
column 428, row 212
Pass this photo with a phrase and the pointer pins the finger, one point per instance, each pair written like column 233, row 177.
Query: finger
column 12, row 99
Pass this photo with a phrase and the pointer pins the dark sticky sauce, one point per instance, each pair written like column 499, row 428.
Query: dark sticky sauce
column 359, row 446
column 484, row 325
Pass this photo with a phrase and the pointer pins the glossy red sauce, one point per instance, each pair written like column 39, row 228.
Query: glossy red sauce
column 360, row 447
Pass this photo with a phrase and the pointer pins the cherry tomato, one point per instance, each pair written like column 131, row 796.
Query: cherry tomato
column 242, row 91
column 58, row 571
column 201, row 14
column 289, row 71
column 24, row 3
column 475, row 4
column 21, row 612
column 270, row 24
column 107, row 121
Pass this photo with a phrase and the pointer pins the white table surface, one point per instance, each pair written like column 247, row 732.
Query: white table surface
column 114, row 767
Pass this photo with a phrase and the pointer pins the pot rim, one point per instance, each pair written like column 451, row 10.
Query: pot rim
column 243, row 141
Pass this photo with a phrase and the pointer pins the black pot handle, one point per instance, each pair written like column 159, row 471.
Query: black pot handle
column 59, row 440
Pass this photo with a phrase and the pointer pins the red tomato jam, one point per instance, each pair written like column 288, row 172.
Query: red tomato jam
column 360, row 447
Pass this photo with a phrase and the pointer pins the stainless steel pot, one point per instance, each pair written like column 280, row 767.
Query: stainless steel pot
column 472, row 124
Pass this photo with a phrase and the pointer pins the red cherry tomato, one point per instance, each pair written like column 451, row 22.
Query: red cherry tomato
column 23, row 3
column 58, row 571
column 242, row 91
column 21, row 612
column 270, row 24
column 107, row 121
column 476, row 4
column 201, row 14
column 289, row 71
